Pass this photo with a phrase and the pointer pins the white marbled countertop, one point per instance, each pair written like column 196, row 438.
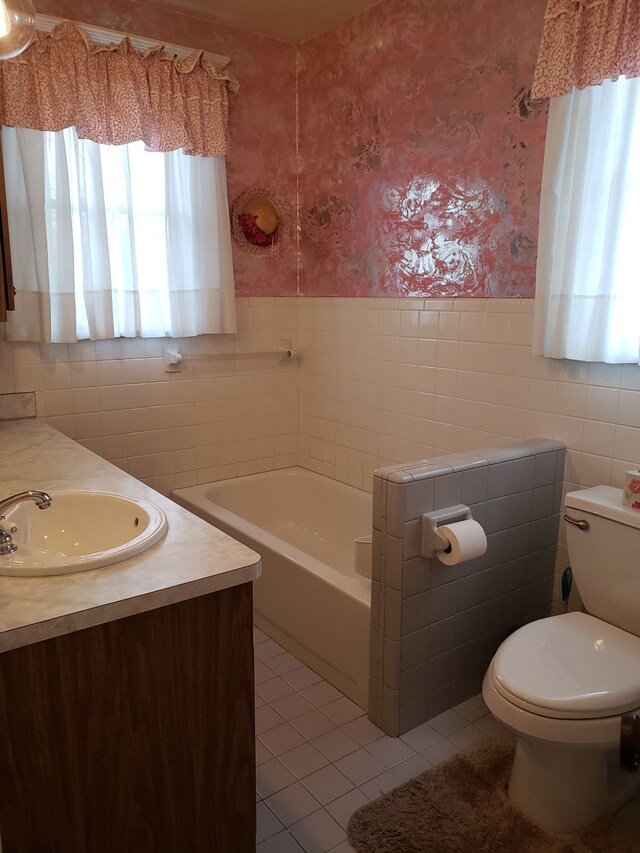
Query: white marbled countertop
column 193, row 559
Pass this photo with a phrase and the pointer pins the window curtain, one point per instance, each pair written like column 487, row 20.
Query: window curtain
column 585, row 42
column 154, row 259
column 587, row 282
column 115, row 94
column 113, row 241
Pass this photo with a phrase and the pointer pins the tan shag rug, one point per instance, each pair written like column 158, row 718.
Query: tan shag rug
column 462, row 807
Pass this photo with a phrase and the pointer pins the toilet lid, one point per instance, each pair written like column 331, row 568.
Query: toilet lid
column 572, row 666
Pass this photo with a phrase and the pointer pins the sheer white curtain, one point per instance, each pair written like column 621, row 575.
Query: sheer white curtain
column 587, row 303
column 110, row 241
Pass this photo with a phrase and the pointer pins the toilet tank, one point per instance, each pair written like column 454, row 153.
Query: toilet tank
column 605, row 558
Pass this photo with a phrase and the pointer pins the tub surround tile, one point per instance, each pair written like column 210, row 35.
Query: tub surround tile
column 436, row 627
column 34, row 609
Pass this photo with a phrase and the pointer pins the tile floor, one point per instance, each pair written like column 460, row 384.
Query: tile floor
column 319, row 758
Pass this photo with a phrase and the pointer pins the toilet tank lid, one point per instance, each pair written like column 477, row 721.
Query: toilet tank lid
column 604, row 501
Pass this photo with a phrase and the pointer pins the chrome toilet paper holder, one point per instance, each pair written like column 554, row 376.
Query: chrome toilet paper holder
column 432, row 539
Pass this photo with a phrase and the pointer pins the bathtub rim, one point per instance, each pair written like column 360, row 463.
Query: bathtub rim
column 356, row 586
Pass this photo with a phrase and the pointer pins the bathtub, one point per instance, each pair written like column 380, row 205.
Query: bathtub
column 309, row 597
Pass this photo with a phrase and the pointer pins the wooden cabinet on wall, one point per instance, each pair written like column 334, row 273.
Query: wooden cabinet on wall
column 6, row 280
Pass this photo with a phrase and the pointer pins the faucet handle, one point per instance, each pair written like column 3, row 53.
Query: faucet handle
column 6, row 543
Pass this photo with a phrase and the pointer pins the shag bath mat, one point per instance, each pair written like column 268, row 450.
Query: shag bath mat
column 462, row 807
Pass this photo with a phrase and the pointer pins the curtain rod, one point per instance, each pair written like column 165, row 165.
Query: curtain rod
column 100, row 35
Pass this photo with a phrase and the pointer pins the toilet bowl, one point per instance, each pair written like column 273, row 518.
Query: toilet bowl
column 562, row 684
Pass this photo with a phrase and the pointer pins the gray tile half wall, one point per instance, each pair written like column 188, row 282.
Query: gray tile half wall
column 435, row 628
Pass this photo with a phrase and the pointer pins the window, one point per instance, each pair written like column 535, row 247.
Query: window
column 113, row 240
column 588, row 276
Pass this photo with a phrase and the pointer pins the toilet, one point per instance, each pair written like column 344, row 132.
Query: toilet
column 562, row 684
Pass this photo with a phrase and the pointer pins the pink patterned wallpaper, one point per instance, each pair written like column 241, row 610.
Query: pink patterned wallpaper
column 262, row 118
column 421, row 154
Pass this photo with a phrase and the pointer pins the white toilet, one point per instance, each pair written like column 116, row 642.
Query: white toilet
column 562, row 684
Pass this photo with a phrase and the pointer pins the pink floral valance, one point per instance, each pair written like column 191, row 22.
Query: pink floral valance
column 115, row 94
column 585, row 42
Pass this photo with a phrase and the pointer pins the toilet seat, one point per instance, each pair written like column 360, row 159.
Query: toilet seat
column 572, row 666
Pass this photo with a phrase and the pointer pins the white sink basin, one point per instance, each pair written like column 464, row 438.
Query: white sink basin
column 79, row 531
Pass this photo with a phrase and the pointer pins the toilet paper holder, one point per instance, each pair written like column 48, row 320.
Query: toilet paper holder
column 432, row 539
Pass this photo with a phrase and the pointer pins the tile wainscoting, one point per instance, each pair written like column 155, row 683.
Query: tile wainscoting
column 435, row 628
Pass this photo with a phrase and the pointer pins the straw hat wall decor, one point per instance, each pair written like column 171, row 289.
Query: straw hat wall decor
column 258, row 224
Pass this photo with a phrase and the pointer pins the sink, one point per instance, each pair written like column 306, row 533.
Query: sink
column 78, row 532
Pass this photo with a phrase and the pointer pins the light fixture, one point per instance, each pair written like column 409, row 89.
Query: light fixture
column 17, row 26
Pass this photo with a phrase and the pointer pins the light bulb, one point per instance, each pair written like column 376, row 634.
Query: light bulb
column 17, row 26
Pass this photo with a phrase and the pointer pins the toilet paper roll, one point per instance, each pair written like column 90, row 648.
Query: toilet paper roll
column 466, row 539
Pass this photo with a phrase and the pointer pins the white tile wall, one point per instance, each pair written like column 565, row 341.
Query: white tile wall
column 218, row 417
column 384, row 381
column 377, row 382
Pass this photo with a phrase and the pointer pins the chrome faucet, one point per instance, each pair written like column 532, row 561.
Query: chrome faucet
column 41, row 499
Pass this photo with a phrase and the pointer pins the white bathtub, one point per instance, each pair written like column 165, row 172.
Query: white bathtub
column 309, row 597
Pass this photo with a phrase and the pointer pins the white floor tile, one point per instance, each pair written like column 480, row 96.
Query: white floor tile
column 274, row 688
column 448, row 723
column 303, row 724
column 422, row 737
column 272, row 776
column 411, row 768
column 321, row 693
column 262, row 753
column 282, row 739
column 267, row 718
column 467, row 736
column 327, row 784
column 292, row 803
column 380, row 785
column 441, row 751
column 362, row 730
column 302, row 677
column 267, row 823
column 335, row 744
column 342, row 808
column 318, row 833
column 390, row 750
column 258, row 636
column 360, row 766
column 492, row 727
column 280, row 843
column 314, row 724
column 261, row 672
column 472, row 709
column 342, row 711
column 292, row 706
column 303, row 760
column 282, row 664
column 268, row 649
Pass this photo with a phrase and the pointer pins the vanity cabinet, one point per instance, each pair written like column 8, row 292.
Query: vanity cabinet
column 134, row 735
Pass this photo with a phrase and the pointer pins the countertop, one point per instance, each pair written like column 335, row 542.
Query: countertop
column 193, row 559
